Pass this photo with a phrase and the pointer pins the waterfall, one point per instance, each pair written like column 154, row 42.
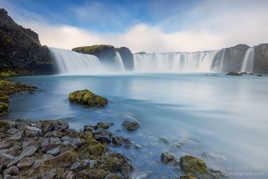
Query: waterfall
column 174, row 62
column 69, row 62
column 248, row 62
column 119, row 61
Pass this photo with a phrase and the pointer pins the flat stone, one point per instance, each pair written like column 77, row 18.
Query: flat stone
column 25, row 163
column 27, row 152
column 16, row 136
column 5, row 145
column 11, row 171
column 75, row 166
column 54, row 151
column 138, row 146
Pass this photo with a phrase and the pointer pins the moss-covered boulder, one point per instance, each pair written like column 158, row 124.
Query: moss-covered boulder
column 86, row 97
column 193, row 165
column 130, row 125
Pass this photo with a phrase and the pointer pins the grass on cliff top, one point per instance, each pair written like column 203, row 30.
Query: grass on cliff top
column 92, row 49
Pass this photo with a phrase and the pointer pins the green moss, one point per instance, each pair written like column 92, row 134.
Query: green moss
column 97, row 149
column 3, row 98
column 193, row 165
column 7, row 74
column 88, row 98
column 92, row 49
column 187, row 177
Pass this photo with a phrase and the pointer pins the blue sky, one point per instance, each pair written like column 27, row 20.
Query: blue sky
column 144, row 25
column 106, row 15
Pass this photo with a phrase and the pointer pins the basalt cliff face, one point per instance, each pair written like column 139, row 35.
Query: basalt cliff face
column 20, row 48
column 107, row 54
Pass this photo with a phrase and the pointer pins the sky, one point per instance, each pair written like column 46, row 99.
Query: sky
column 144, row 25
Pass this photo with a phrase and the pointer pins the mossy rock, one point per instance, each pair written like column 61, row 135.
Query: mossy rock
column 187, row 177
column 3, row 98
column 3, row 108
column 193, row 165
column 86, row 97
column 130, row 125
column 65, row 159
column 234, row 73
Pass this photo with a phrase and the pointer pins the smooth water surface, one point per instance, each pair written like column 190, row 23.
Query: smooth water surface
column 219, row 118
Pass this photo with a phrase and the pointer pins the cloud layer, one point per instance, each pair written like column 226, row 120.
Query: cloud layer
column 208, row 25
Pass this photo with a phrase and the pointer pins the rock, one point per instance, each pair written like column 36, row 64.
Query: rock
column 25, row 163
column 87, row 98
column 65, row 159
column 187, row 177
column 193, row 165
column 5, row 125
column 20, row 49
column 119, row 140
column 5, row 145
column 75, row 166
column 16, row 136
column 113, row 176
column 69, row 175
column 167, row 158
column 130, row 125
column 103, row 136
column 164, row 140
column 11, row 171
column 138, row 146
column 116, row 162
column 104, row 125
column 27, row 152
column 234, row 73
column 92, row 174
column 11, row 177
column 92, row 163
column 54, row 151
column 261, row 58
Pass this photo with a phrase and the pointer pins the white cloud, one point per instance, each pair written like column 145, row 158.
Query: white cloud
column 212, row 25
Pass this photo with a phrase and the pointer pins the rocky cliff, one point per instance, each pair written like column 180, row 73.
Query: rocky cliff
column 261, row 58
column 107, row 54
column 20, row 48
column 230, row 59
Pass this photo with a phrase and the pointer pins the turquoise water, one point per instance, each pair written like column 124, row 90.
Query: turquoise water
column 219, row 118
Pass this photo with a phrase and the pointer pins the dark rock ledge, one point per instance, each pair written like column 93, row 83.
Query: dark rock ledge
column 50, row 149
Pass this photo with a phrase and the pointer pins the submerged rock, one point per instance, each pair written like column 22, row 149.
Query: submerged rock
column 130, row 125
column 234, row 73
column 167, row 158
column 187, row 177
column 164, row 140
column 87, row 98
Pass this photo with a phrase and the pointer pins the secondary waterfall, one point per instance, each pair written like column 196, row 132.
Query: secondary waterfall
column 119, row 61
column 248, row 62
column 174, row 62
column 69, row 62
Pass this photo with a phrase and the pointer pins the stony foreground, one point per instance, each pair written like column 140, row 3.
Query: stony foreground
column 50, row 149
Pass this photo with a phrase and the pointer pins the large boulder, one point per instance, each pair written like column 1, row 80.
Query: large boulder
column 107, row 54
column 20, row 48
column 261, row 59
column 87, row 98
